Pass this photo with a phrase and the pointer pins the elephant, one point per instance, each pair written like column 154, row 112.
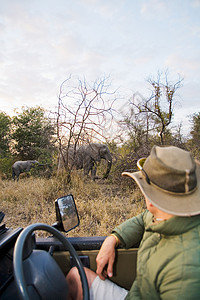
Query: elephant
column 86, row 157
column 21, row 166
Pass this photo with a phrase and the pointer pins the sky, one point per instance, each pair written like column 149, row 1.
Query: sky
column 43, row 42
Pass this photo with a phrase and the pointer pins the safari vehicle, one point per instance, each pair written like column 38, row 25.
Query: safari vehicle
column 35, row 268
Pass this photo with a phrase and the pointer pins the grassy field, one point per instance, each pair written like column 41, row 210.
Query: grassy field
column 101, row 205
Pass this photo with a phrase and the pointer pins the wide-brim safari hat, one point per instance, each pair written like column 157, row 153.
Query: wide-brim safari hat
column 170, row 178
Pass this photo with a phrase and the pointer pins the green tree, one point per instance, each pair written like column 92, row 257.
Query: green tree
column 5, row 155
column 33, row 134
column 194, row 142
column 5, row 124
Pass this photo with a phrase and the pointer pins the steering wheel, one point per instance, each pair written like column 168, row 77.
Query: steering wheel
column 18, row 259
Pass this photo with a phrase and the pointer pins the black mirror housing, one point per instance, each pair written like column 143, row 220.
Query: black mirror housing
column 66, row 213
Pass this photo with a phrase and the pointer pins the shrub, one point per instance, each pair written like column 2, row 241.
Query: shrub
column 6, row 167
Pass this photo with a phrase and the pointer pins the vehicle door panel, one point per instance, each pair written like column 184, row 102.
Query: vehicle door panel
column 124, row 271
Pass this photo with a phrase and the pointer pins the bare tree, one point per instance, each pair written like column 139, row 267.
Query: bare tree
column 82, row 113
column 159, row 107
column 137, row 125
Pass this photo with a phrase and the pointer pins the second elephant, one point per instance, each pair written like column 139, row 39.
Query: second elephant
column 22, row 166
column 86, row 157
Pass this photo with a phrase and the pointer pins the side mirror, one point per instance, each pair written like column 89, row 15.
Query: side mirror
column 66, row 213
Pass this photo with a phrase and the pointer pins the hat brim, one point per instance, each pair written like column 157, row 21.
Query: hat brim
column 179, row 205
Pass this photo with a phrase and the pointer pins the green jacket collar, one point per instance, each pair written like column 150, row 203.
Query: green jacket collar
column 175, row 225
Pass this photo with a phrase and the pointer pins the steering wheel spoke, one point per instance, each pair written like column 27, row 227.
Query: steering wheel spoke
column 51, row 250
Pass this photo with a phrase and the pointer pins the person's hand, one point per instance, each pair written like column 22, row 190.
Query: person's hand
column 106, row 258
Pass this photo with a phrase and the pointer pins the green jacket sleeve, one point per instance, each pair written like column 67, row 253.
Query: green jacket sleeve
column 131, row 231
column 134, row 293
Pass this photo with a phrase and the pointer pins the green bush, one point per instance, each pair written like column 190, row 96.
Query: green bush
column 6, row 167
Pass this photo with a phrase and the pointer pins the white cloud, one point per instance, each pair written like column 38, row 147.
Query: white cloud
column 154, row 8
column 195, row 3
column 184, row 65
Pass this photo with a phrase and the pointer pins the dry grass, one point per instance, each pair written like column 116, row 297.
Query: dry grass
column 101, row 205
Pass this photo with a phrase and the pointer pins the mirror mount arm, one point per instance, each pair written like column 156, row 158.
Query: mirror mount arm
column 58, row 225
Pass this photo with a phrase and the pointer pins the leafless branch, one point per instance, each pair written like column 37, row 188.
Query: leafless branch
column 82, row 111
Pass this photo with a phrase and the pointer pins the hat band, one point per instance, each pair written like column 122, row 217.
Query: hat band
column 145, row 175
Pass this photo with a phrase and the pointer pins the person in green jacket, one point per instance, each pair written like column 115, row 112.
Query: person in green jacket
column 168, row 263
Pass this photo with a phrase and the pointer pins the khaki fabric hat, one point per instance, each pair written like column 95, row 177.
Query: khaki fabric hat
column 170, row 179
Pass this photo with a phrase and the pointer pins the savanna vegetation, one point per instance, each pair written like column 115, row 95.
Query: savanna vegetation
column 101, row 205
column 85, row 113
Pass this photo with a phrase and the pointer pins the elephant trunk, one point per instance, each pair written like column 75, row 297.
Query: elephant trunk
column 108, row 169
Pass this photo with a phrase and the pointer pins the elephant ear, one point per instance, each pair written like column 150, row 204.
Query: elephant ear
column 103, row 150
column 94, row 150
